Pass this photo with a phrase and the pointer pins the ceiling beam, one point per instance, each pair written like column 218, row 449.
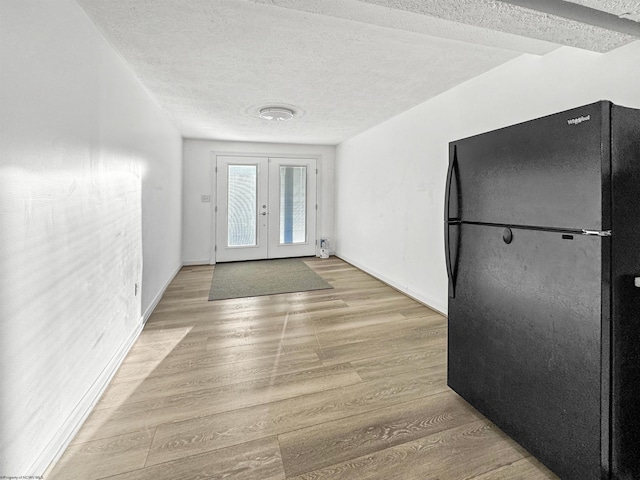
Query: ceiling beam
column 582, row 14
column 549, row 20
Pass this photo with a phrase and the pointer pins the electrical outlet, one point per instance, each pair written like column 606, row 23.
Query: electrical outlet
column 205, row 198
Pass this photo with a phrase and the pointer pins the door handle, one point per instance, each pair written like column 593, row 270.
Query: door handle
column 263, row 213
column 452, row 177
column 452, row 264
column 452, row 222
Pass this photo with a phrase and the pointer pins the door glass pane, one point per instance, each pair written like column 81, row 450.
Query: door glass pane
column 293, row 205
column 241, row 216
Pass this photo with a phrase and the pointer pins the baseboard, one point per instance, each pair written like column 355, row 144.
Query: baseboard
column 152, row 306
column 189, row 263
column 54, row 450
column 428, row 302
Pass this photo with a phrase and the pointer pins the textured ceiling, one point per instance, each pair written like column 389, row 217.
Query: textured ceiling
column 342, row 65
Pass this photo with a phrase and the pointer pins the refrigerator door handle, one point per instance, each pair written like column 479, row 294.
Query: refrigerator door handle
column 451, row 265
column 603, row 233
column 452, row 175
column 451, row 222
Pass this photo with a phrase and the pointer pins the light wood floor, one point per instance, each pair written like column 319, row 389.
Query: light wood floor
column 348, row 383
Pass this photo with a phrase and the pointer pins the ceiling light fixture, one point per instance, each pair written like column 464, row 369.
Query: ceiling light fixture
column 278, row 114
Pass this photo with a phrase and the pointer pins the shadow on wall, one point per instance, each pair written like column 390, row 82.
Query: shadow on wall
column 70, row 259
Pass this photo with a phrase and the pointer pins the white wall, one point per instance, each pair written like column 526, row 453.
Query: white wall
column 90, row 187
column 390, row 179
column 199, row 161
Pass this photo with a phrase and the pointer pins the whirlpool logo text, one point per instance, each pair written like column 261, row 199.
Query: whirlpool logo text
column 576, row 121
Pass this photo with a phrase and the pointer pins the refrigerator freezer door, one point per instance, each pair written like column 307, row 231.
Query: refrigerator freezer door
column 525, row 340
column 549, row 172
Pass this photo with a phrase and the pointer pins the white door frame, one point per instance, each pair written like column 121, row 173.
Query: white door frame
column 317, row 175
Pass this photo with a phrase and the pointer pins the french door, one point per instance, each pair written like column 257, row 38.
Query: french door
column 265, row 208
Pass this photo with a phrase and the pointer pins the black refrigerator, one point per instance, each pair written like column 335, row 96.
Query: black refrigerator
column 542, row 240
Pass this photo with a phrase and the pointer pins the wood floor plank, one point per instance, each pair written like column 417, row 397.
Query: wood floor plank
column 257, row 460
column 329, row 443
column 175, row 342
column 175, row 383
column 461, row 452
column 265, row 352
column 370, row 332
column 201, row 316
column 104, row 457
column 391, row 365
column 363, row 336
column 393, row 345
column 526, row 469
column 129, row 417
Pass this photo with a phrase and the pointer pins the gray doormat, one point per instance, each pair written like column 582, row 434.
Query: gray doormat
column 263, row 277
